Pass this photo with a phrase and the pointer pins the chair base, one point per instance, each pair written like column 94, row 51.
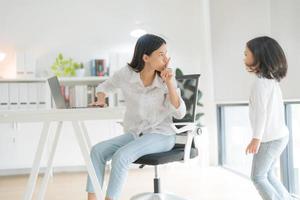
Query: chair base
column 156, row 196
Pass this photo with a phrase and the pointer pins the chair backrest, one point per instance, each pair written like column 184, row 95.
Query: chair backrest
column 188, row 85
column 185, row 149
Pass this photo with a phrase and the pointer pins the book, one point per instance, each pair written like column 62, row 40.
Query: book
column 98, row 67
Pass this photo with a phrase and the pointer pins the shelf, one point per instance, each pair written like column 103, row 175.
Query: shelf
column 86, row 80
column 68, row 81
column 30, row 93
column 23, row 80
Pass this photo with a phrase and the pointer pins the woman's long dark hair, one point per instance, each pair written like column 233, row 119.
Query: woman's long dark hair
column 268, row 57
column 146, row 44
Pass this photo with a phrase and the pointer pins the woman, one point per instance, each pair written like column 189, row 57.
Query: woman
column 152, row 100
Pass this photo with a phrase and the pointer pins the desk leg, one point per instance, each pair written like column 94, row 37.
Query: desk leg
column 42, row 190
column 86, row 134
column 37, row 162
column 88, row 162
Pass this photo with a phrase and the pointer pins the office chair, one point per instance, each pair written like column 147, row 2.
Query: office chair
column 186, row 127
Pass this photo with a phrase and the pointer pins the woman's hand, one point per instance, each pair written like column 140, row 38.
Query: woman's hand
column 98, row 104
column 100, row 100
column 167, row 75
column 253, row 146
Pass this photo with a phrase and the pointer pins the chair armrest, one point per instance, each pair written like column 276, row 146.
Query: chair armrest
column 188, row 145
column 185, row 127
column 191, row 130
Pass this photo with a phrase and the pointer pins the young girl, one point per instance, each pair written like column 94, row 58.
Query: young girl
column 152, row 99
column 265, row 58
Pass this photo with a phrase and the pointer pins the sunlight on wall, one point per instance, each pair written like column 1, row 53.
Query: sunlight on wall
column 7, row 62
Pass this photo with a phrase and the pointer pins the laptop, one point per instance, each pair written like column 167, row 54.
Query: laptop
column 57, row 96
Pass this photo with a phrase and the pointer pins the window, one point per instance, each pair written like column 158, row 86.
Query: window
column 293, row 113
column 235, row 133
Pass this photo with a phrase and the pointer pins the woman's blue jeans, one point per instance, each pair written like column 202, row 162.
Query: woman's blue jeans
column 124, row 150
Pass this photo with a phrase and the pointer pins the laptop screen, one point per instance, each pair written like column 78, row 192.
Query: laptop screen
column 56, row 92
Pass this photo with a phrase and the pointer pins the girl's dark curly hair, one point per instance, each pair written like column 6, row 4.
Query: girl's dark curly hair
column 269, row 58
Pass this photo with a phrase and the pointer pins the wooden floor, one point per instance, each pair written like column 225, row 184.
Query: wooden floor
column 194, row 183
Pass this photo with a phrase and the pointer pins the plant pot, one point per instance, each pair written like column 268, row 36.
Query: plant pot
column 79, row 72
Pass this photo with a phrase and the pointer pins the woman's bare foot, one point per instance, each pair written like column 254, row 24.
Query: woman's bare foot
column 92, row 196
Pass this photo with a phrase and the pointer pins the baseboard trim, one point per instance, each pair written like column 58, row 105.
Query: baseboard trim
column 60, row 169
column 26, row 171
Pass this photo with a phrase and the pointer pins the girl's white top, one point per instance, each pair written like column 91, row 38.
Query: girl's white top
column 266, row 110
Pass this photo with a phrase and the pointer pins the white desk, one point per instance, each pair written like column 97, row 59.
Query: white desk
column 76, row 116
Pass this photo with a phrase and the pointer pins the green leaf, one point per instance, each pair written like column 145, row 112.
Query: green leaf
column 178, row 72
column 76, row 65
column 81, row 65
column 198, row 116
column 199, row 94
column 60, row 56
column 199, row 124
column 200, row 104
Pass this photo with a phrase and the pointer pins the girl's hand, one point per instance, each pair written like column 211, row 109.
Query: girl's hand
column 253, row 146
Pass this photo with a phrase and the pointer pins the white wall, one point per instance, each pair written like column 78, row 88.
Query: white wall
column 285, row 27
column 207, row 84
column 85, row 30
column 233, row 23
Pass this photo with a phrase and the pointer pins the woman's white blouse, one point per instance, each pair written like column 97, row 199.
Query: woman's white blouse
column 266, row 110
column 148, row 109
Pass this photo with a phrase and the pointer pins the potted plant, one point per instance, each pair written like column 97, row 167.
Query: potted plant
column 64, row 67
